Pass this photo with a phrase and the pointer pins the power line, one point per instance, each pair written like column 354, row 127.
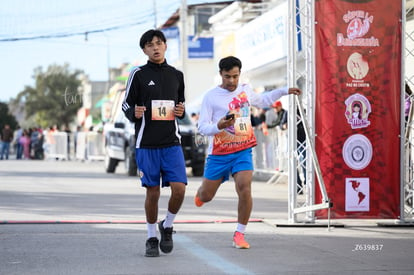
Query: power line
column 62, row 35
column 74, row 22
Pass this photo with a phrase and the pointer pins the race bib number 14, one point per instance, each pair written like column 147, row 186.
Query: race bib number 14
column 162, row 110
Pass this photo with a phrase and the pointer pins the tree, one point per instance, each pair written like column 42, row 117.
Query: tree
column 55, row 98
column 6, row 117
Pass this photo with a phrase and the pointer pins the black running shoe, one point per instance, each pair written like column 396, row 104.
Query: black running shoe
column 166, row 244
column 152, row 248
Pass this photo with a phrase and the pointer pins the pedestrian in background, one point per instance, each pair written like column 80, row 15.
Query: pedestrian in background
column 301, row 150
column 407, row 107
column 277, row 116
column 225, row 119
column 25, row 141
column 6, row 139
column 19, row 146
column 75, row 139
column 154, row 98
column 194, row 118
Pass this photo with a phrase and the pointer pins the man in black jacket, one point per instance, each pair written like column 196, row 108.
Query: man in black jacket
column 154, row 98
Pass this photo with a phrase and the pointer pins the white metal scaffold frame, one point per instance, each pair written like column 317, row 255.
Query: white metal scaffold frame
column 407, row 128
column 304, row 12
column 305, row 79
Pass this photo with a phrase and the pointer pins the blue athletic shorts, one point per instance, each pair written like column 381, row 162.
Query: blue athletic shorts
column 166, row 163
column 221, row 166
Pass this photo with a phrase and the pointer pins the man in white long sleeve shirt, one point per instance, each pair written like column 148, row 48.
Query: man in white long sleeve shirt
column 225, row 119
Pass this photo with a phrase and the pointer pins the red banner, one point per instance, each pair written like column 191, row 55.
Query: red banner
column 357, row 112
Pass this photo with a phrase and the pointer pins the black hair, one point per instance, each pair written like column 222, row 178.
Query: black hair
column 229, row 62
column 359, row 105
column 149, row 35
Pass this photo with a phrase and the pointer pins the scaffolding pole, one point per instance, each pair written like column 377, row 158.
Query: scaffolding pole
column 301, row 68
column 407, row 127
column 300, row 64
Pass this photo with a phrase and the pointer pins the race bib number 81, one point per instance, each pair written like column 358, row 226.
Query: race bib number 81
column 162, row 110
column 243, row 126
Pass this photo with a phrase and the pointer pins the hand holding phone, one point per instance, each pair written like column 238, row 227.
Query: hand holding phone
column 226, row 121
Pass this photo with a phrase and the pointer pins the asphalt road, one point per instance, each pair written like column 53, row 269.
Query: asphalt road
column 68, row 217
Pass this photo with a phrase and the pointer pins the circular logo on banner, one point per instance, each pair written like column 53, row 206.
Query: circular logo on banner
column 357, row 66
column 357, row 152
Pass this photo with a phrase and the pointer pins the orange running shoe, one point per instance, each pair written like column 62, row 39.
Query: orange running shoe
column 197, row 201
column 239, row 241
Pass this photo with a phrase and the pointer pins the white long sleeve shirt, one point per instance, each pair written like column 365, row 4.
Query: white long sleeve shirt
column 218, row 102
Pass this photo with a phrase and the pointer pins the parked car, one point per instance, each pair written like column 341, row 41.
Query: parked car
column 119, row 135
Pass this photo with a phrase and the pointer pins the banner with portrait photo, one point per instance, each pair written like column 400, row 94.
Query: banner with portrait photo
column 358, row 106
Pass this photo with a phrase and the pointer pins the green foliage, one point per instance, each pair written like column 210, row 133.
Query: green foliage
column 56, row 97
column 6, row 117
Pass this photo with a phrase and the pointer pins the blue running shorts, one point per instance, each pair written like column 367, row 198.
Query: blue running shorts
column 167, row 163
column 221, row 166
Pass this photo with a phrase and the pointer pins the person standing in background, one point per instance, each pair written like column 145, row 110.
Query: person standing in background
column 25, row 141
column 6, row 139
column 19, row 146
column 408, row 94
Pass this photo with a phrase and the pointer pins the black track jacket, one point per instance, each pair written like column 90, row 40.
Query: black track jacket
column 153, row 82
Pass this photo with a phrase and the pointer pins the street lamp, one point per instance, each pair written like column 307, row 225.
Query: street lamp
column 108, row 54
column 108, row 61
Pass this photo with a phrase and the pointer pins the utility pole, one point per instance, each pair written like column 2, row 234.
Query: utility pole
column 184, row 42
column 108, row 63
column 155, row 13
